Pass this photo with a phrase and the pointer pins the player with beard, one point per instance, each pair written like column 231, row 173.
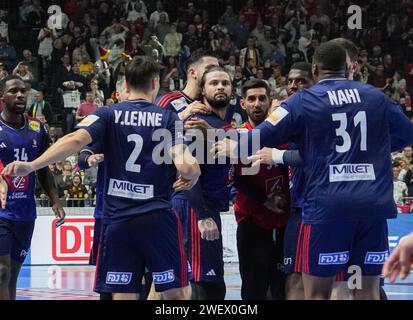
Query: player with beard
column 261, row 210
column 21, row 138
column 185, row 102
column 208, row 198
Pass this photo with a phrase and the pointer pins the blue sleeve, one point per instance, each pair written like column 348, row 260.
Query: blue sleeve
column 93, row 148
column 400, row 127
column 292, row 158
column 281, row 126
column 176, row 129
column 96, row 123
column 197, row 201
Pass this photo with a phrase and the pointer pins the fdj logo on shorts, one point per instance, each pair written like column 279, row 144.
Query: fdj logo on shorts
column 334, row 258
column 376, row 257
column 119, row 278
column 163, row 277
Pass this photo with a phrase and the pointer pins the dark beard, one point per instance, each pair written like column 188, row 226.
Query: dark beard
column 218, row 104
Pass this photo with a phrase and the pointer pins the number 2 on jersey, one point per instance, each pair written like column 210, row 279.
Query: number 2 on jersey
column 131, row 165
column 341, row 131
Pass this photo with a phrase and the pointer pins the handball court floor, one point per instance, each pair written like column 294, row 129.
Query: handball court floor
column 76, row 283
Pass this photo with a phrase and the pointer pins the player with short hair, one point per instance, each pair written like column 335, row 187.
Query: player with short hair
column 140, row 229
column 345, row 132
column 24, row 139
column 261, row 209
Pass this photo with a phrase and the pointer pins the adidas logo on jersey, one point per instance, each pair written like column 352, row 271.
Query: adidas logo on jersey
column 211, row 273
column 3, row 145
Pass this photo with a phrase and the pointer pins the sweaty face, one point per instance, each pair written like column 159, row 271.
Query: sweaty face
column 217, row 89
column 13, row 96
column 256, row 103
column 298, row 80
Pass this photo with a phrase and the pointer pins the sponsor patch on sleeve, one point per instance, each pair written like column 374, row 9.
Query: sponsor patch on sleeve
column 277, row 116
column 88, row 121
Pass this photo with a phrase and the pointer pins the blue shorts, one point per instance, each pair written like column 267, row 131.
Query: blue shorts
column 151, row 242
column 291, row 247
column 15, row 238
column 328, row 249
column 97, row 229
column 206, row 262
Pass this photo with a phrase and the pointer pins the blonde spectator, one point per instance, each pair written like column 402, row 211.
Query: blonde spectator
column 172, row 42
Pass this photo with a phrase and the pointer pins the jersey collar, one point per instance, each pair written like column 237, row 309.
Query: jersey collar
column 332, row 79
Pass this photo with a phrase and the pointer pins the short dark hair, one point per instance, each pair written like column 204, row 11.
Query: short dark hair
column 302, row 66
column 349, row 46
column 6, row 79
column 210, row 70
column 330, row 56
column 140, row 71
column 197, row 56
column 255, row 84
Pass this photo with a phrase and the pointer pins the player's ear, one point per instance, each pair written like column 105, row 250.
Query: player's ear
column 314, row 70
column 242, row 104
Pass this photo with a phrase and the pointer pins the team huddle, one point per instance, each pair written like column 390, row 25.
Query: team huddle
column 310, row 179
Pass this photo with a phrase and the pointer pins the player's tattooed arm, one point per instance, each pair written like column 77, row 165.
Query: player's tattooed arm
column 48, row 184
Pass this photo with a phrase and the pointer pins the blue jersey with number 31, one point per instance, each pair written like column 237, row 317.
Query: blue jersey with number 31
column 345, row 131
column 133, row 183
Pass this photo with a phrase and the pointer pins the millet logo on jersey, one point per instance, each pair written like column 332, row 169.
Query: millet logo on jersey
column 126, row 189
column 163, row 277
column 376, row 257
column 333, row 258
column 120, row 278
column 352, row 172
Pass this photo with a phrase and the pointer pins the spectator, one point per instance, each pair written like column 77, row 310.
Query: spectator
column 86, row 108
column 53, row 137
column 229, row 17
column 33, row 64
column 400, row 190
column 29, row 94
column 85, row 65
column 137, row 14
column 77, row 193
column 250, row 54
column 172, row 42
column 241, row 32
column 156, row 15
column 41, row 109
column 4, row 25
column 22, row 71
column 163, row 28
column 8, row 54
column 64, row 181
column 98, row 95
column 250, row 13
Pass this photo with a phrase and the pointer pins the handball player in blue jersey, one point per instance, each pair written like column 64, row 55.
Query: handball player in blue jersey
column 203, row 204
column 92, row 156
column 345, row 131
column 24, row 139
column 141, row 231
